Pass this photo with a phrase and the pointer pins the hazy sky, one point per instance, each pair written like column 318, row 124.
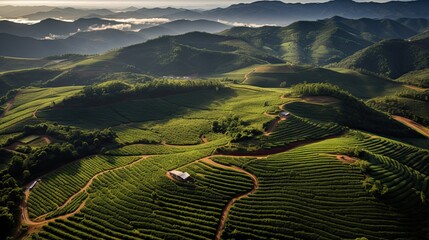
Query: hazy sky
column 144, row 3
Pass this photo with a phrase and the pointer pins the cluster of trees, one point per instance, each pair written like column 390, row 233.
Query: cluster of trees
column 375, row 187
column 422, row 96
column 8, row 96
column 395, row 106
column 236, row 128
column 118, row 90
column 73, row 144
column 322, row 89
column 32, row 162
column 353, row 112
column 10, row 197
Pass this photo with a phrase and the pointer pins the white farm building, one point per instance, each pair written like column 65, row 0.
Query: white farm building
column 181, row 176
column 284, row 114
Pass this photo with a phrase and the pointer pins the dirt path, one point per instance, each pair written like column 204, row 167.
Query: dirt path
column 9, row 105
column 33, row 226
column 47, row 139
column 204, row 139
column 270, row 115
column 345, row 159
column 34, row 114
column 228, row 206
column 273, row 126
column 246, row 77
column 410, row 123
column 420, row 89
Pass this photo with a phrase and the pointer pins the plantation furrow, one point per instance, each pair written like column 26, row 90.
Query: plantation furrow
column 36, row 224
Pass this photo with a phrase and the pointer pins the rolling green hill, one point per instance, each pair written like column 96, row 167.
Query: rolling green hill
column 269, row 149
column 324, row 41
column 390, row 58
column 23, row 78
column 189, row 54
column 418, row 78
column 359, row 84
column 410, row 104
column 174, row 131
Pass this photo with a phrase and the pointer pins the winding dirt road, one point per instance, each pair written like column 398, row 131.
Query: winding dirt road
column 228, row 206
column 410, row 123
column 37, row 224
column 9, row 105
column 246, row 77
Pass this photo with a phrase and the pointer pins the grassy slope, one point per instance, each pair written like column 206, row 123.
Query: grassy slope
column 142, row 197
column 321, row 42
column 359, row 84
column 390, row 58
column 418, row 78
column 161, row 116
column 10, row 63
column 30, row 100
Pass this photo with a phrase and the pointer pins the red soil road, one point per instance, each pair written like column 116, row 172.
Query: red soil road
column 346, row 159
column 410, row 123
column 273, row 126
column 323, row 100
column 9, row 105
column 35, row 112
column 228, row 206
column 416, row 88
column 246, row 77
column 34, row 226
column 204, row 139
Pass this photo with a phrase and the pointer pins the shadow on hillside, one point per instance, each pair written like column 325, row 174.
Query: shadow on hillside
column 138, row 110
column 360, row 85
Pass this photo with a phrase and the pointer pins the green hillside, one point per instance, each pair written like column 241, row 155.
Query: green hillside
column 390, row 58
column 11, row 64
column 193, row 53
column 318, row 130
column 359, row 84
column 418, row 78
column 321, row 42
column 32, row 77
column 410, row 104
column 95, row 137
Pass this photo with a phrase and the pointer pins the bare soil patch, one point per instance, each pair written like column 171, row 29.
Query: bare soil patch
column 416, row 126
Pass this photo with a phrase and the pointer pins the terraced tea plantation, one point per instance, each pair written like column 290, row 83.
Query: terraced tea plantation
column 303, row 176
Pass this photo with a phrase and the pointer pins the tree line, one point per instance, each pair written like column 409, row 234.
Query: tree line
column 355, row 113
column 113, row 91
column 27, row 163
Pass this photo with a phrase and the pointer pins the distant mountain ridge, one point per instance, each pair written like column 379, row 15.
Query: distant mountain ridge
column 52, row 27
column 192, row 53
column 321, row 42
column 278, row 12
column 183, row 26
column 19, row 39
column 260, row 12
column 391, row 58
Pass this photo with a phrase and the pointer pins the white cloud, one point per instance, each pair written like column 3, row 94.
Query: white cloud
column 20, row 20
column 30, row 22
column 122, row 27
column 140, row 21
column 239, row 24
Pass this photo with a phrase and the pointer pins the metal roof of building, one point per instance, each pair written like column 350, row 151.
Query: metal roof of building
column 182, row 175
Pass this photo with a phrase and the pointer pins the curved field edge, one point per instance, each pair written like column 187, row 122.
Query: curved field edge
column 285, row 181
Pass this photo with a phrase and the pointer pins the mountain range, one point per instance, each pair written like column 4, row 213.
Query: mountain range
column 260, row 12
column 25, row 39
column 324, row 41
column 304, row 42
column 391, row 58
